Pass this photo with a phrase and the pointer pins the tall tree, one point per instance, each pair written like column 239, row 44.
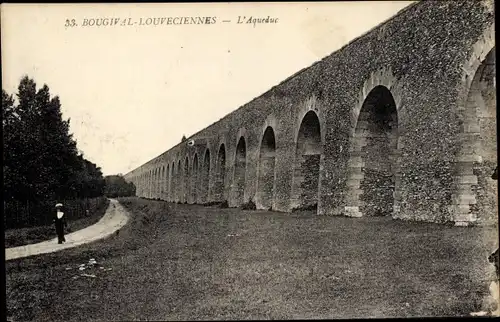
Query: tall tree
column 41, row 160
column 10, row 127
column 117, row 186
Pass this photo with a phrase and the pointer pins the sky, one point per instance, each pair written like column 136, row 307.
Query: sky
column 131, row 92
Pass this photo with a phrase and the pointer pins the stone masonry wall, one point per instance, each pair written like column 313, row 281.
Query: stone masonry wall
column 426, row 57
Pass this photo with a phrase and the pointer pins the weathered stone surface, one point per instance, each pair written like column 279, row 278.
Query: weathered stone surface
column 433, row 163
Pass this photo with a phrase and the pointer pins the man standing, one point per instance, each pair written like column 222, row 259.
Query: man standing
column 60, row 222
column 494, row 258
column 493, row 298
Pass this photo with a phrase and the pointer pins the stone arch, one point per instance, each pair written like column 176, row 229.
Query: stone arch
column 160, row 183
column 171, row 181
column 220, row 173
column 194, row 179
column 373, row 167
column 179, row 182
column 152, row 184
column 266, row 170
column 153, row 192
column 186, row 185
column 149, row 183
column 205, row 177
column 308, row 151
column 146, row 183
column 167, row 182
column 240, row 165
column 141, row 184
column 161, row 189
column 312, row 104
column 382, row 77
column 475, row 195
column 148, row 193
column 157, row 183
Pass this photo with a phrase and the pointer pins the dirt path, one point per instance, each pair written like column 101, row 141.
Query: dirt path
column 114, row 218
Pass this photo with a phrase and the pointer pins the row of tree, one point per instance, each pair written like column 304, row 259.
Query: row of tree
column 41, row 159
column 117, row 186
column 41, row 162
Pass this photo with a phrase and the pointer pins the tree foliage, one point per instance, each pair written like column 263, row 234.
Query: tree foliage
column 117, row 186
column 41, row 160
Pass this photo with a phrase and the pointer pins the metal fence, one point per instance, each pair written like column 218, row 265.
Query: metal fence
column 29, row 214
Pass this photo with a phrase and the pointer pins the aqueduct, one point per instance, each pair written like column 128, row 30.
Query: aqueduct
column 399, row 122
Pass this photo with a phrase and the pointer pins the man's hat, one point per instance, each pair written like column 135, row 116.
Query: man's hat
column 59, row 205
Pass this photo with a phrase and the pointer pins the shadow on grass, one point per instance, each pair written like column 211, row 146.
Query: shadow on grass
column 188, row 262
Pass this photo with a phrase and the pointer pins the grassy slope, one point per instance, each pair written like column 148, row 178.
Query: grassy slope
column 178, row 262
column 31, row 235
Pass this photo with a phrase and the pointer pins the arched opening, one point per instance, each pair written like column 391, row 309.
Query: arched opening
column 170, row 182
column 374, row 156
column 146, row 182
column 158, row 183
column 186, row 185
column 267, row 161
column 220, row 174
column 307, row 162
column 240, row 166
column 157, row 177
column 162, row 180
column 476, row 195
column 179, row 183
column 173, row 183
column 164, row 184
column 150, row 184
column 154, row 184
column 153, row 180
column 205, row 177
column 148, row 194
column 194, row 179
column 153, row 191
column 167, row 183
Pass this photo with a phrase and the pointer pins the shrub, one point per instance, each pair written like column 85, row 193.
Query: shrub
column 249, row 205
column 306, row 207
column 212, row 203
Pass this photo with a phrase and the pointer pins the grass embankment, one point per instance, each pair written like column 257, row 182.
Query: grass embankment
column 23, row 236
column 181, row 262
